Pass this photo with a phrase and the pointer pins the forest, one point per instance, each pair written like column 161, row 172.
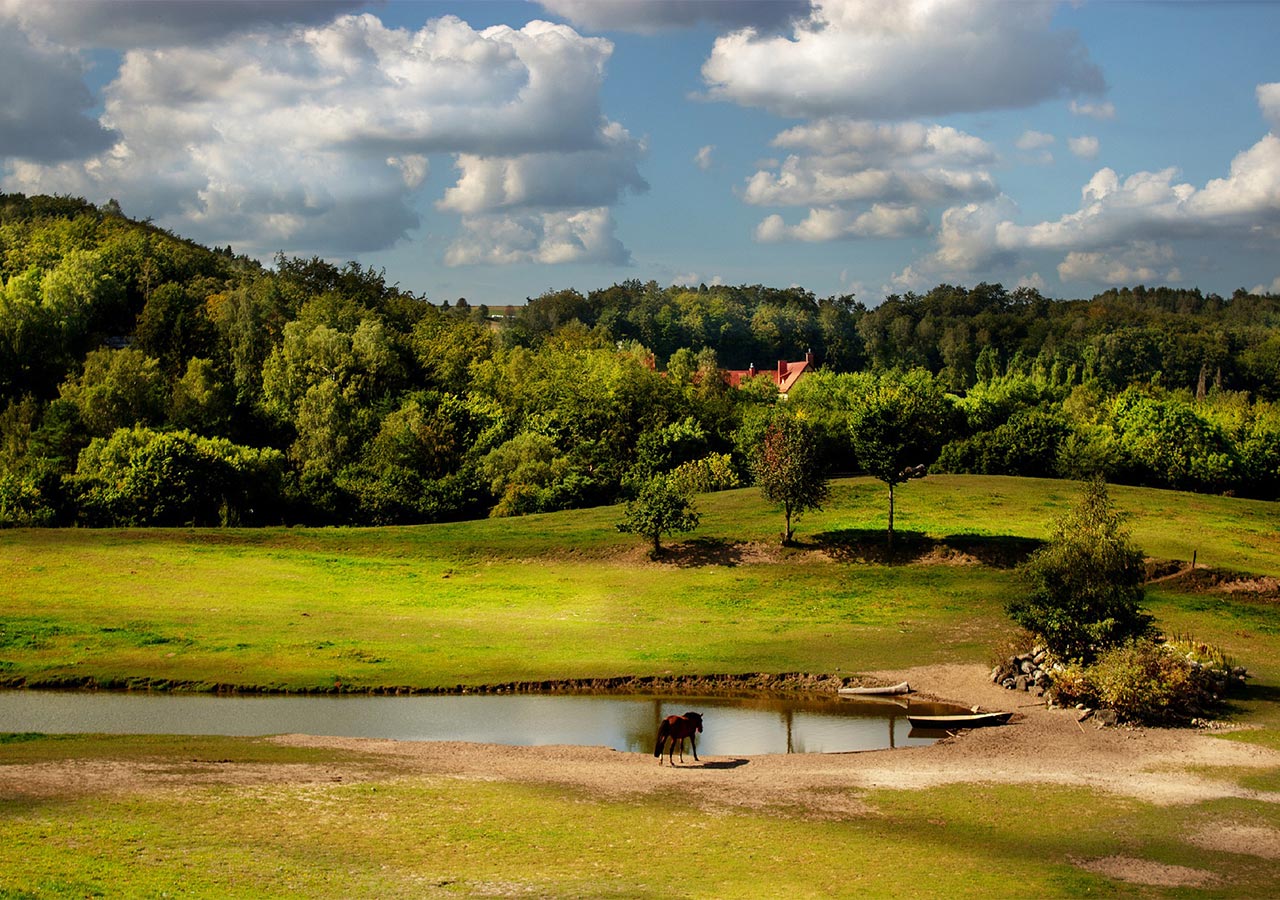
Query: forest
column 148, row 380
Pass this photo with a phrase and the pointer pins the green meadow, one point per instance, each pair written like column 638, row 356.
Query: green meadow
column 565, row 596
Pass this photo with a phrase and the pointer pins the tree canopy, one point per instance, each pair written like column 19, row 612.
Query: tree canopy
column 381, row 406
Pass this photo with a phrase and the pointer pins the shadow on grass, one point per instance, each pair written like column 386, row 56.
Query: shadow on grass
column 1258, row 693
column 1000, row 551
column 697, row 552
column 872, row 546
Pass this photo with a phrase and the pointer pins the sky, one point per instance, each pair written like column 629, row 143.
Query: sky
column 498, row 150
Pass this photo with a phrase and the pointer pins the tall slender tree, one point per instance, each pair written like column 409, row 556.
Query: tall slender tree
column 789, row 469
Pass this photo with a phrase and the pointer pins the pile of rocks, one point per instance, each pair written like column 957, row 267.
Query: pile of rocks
column 1025, row 672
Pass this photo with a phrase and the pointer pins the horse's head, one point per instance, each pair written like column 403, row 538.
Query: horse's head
column 695, row 718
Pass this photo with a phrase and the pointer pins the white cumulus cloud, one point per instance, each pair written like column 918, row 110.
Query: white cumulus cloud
column 1142, row 262
column 899, row 60
column 313, row 139
column 1085, row 146
column 1101, row 111
column 1034, row 140
column 1127, row 228
column 1269, row 100
column 880, row 221
column 579, row 236
column 864, row 179
column 651, row 17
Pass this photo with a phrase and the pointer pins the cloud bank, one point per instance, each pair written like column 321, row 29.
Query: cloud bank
column 901, row 60
column 1126, row 228
column 315, row 139
column 654, row 16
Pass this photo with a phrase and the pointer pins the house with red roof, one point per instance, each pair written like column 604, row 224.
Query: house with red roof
column 785, row 376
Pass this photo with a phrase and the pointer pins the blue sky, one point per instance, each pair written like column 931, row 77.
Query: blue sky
column 494, row 151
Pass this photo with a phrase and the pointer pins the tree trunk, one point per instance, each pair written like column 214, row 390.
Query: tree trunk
column 657, row 547
column 890, row 518
column 786, row 535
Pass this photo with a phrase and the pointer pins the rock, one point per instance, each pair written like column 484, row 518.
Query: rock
column 1027, row 667
column 995, row 675
column 1105, row 717
column 1084, row 715
column 1037, row 691
column 1020, row 683
column 1007, row 683
column 1039, row 657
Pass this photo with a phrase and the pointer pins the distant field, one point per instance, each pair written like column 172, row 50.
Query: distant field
column 567, row 596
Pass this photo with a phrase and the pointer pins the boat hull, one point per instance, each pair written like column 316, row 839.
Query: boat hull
column 888, row 690
column 951, row 723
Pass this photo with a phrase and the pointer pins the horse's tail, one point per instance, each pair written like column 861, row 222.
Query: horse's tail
column 663, row 730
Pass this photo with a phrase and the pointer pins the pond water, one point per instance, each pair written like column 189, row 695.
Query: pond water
column 623, row 722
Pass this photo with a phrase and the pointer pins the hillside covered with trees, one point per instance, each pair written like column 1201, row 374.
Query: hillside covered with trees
column 145, row 379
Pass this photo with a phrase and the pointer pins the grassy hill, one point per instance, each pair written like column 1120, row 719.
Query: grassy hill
column 566, row 596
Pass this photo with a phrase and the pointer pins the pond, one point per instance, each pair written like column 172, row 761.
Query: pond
column 733, row 726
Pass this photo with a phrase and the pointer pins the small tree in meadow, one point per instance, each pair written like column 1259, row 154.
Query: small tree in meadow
column 897, row 426
column 1085, row 587
column 789, row 470
column 659, row 507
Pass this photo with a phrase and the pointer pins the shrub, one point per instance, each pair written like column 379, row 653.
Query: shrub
column 1085, row 587
column 1146, row 682
column 1149, row 682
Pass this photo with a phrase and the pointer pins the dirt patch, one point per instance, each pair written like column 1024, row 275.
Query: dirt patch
column 1233, row 837
column 1206, row 580
column 1144, row 871
column 76, row 778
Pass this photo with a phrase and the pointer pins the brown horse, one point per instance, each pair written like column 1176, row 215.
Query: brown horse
column 676, row 729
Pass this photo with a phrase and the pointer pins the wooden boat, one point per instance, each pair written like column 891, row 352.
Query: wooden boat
column 963, row 720
column 900, row 688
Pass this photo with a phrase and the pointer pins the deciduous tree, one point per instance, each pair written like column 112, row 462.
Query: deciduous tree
column 789, row 469
column 660, row 507
column 897, row 426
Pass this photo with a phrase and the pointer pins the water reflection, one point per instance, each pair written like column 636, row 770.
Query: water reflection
column 734, row 726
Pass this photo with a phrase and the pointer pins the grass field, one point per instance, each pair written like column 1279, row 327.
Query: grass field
column 566, row 596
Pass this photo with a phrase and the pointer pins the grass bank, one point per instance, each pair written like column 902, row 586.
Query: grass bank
column 566, row 596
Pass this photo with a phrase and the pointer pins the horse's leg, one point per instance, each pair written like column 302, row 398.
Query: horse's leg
column 693, row 742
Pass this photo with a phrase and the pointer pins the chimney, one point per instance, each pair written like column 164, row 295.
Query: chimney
column 809, row 357
column 782, row 369
column 751, row 371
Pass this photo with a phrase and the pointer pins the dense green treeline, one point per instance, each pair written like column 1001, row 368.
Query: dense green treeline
column 145, row 379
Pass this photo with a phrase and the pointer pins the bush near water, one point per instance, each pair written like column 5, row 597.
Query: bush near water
column 1178, row 681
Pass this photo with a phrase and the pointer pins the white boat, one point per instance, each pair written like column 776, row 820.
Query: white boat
column 900, row 688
